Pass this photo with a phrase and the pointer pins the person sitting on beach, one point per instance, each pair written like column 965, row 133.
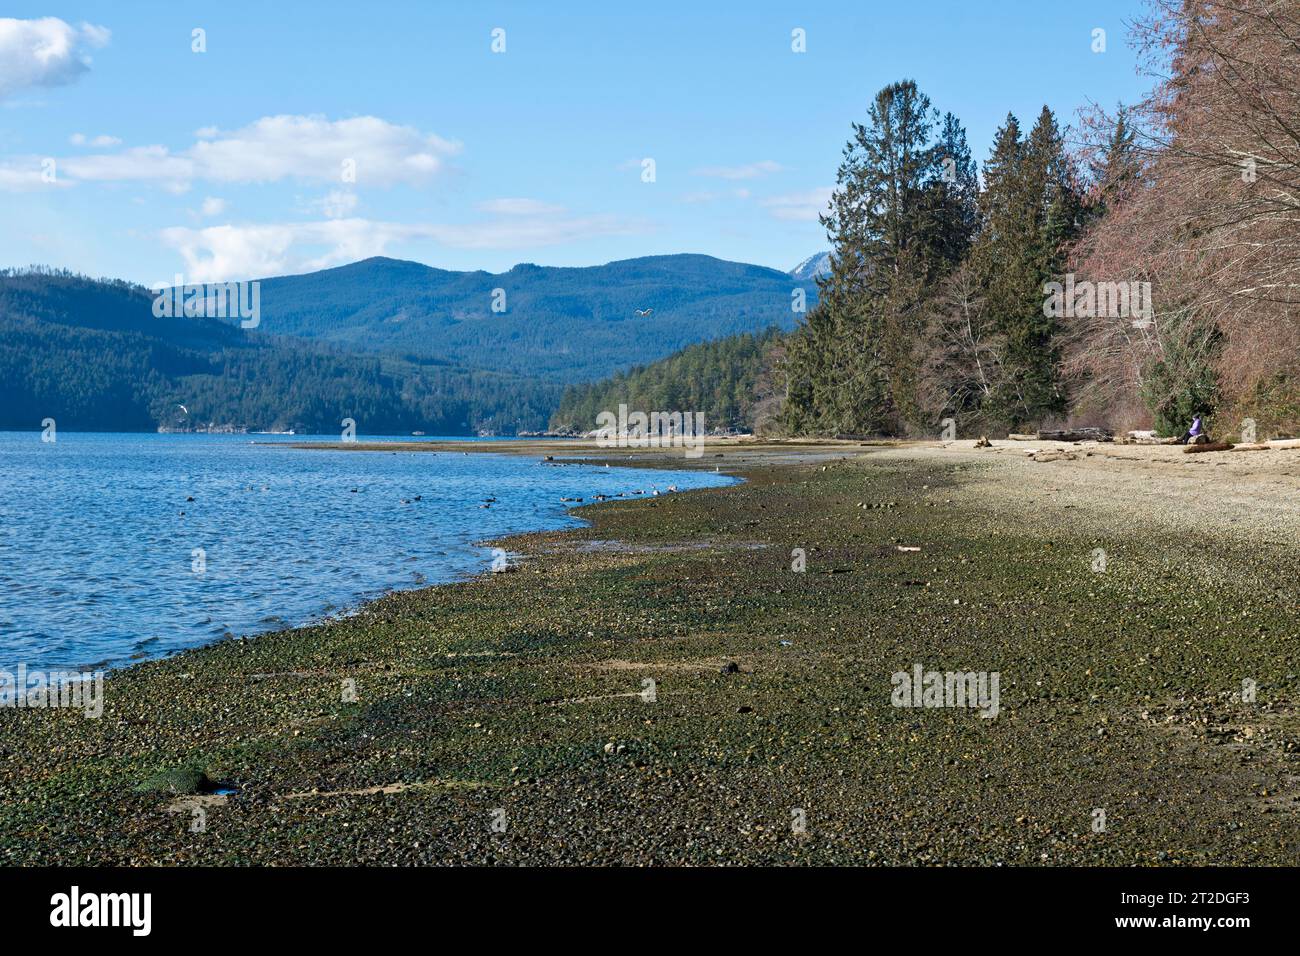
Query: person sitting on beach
column 1196, row 434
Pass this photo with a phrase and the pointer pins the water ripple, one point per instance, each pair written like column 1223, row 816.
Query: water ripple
column 105, row 557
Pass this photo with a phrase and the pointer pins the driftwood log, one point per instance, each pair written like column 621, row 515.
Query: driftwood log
column 1277, row 444
column 1075, row 434
column 1208, row 446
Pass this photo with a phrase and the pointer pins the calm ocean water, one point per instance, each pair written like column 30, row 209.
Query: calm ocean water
column 99, row 542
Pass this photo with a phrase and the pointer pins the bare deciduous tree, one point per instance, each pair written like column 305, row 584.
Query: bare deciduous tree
column 1213, row 221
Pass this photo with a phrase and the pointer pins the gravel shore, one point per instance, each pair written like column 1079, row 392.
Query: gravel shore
column 667, row 686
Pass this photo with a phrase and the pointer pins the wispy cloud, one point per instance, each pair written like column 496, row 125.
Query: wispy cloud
column 314, row 148
column 143, row 163
column 45, row 52
column 99, row 142
column 800, row 207
column 336, row 204
column 520, row 207
column 748, row 171
column 365, row 150
column 27, row 176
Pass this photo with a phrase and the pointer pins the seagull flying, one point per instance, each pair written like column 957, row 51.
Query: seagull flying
column 184, row 409
column 644, row 312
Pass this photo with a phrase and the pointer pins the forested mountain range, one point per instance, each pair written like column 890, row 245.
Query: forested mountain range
column 560, row 324
column 396, row 346
column 92, row 356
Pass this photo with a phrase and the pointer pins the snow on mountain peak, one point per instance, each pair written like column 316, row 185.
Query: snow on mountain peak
column 813, row 266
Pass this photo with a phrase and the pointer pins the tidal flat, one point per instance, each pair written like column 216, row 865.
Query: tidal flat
column 663, row 687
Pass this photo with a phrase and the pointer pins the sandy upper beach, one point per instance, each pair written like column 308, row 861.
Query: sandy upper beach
column 1235, row 493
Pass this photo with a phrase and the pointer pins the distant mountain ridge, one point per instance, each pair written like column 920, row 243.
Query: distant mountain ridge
column 398, row 346
column 558, row 324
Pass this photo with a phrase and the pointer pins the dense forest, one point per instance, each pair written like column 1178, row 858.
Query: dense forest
column 934, row 305
column 91, row 355
column 721, row 379
column 938, row 304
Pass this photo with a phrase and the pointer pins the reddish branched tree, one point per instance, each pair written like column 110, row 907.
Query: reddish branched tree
column 1203, row 201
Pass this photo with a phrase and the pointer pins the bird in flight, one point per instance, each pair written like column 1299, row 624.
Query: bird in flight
column 184, row 409
column 645, row 312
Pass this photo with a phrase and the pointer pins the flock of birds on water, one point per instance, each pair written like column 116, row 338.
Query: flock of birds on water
column 491, row 500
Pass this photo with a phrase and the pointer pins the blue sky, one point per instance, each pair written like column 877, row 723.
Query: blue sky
column 231, row 163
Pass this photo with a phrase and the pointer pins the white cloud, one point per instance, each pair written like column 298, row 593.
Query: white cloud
column 800, row 207
column 749, row 171
column 221, row 253
column 96, row 36
column 100, row 142
column 213, row 206
column 520, row 207
column 274, row 148
column 27, row 177
column 315, row 148
column 148, row 163
column 44, row 52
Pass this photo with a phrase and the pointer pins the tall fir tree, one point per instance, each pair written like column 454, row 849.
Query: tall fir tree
column 1031, row 209
column 955, row 194
column 901, row 217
